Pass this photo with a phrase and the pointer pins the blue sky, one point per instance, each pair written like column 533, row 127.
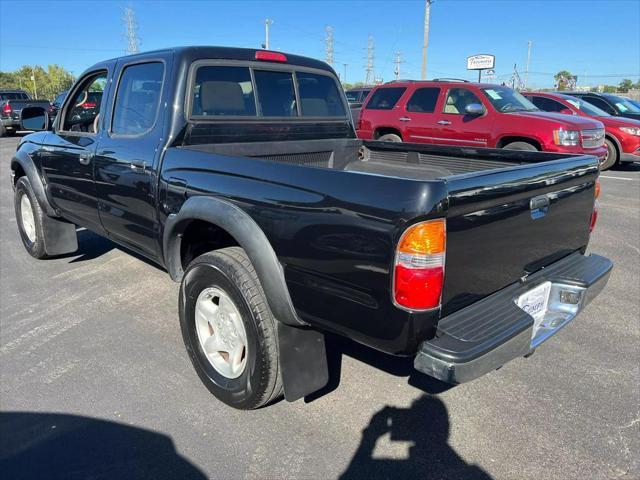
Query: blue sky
column 596, row 39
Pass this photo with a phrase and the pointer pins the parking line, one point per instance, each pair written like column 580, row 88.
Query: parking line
column 617, row 178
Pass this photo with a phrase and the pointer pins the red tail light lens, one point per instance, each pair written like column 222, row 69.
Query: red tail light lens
column 6, row 108
column 268, row 56
column 88, row 105
column 419, row 266
column 594, row 214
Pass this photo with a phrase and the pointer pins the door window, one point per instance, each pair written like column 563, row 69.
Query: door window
column 458, row 99
column 83, row 111
column 385, row 98
column 600, row 104
column 137, row 99
column 547, row 104
column 423, row 100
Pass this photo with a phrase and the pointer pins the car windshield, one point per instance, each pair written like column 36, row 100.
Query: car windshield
column 586, row 107
column 505, row 99
column 623, row 105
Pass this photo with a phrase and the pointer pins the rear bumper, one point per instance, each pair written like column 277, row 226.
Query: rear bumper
column 10, row 122
column 484, row 336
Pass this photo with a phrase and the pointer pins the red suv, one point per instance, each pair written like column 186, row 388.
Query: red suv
column 473, row 114
column 622, row 135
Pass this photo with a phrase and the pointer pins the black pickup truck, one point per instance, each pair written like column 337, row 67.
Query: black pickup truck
column 11, row 104
column 238, row 171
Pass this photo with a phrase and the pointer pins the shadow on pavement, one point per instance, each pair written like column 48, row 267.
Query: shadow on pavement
column 397, row 366
column 626, row 167
column 57, row 446
column 424, row 428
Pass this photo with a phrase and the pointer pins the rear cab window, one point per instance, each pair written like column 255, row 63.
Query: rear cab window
column 385, row 98
column 250, row 91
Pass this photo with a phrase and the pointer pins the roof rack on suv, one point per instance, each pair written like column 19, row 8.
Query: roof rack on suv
column 446, row 79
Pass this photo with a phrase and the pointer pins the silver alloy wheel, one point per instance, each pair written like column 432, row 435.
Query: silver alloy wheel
column 221, row 332
column 27, row 218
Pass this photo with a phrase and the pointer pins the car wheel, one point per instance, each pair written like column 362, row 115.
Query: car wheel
column 29, row 216
column 390, row 137
column 611, row 158
column 229, row 330
column 11, row 133
column 520, row 146
column 3, row 131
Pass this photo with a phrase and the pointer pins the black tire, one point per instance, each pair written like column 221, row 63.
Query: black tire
column 612, row 155
column 11, row 133
column 34, row 246
column 390, row 137
column 230, row 270
column 3, row 131
column 521, row 146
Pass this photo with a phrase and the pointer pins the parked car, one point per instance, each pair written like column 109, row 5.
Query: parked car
column 357, row 96
column 11, row 104
column 473, row 114
column 280, row 224
column 622, row 135
column 612, row 104
column 56, row 104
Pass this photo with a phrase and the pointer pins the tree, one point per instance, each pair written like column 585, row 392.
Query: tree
column 610, row 89
column 48, row 83
column 565, row 80
column 625, row 85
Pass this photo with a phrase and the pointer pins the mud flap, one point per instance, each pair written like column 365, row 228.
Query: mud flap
column 59, row 236
column 303, row 361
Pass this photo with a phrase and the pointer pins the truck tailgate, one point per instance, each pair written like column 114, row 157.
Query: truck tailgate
column 504, row 224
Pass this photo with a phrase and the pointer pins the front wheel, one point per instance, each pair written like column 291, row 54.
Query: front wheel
column 30, row 218
column 228, row 329
column 612, row 156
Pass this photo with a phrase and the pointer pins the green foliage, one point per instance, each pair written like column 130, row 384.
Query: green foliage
column 48, row 83
column 610, row 89
column 625, row 85
column 565, row 80
column 348, row 86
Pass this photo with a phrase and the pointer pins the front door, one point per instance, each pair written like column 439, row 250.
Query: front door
column 126, row 163
column 67, row 157
column 456, row 126
column 420, row 119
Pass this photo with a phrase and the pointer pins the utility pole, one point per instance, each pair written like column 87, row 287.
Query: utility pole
column 344, row 80
column 131, row 31
column 526, row 71
column 33, row 77
column 328, row 45
column 267, row 22
column 397, row 62
column 370, row 76
column 425, row 40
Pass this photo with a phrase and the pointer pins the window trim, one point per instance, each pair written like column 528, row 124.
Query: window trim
column 464, row 114
column 435, row 105
column 62, row 113
column 134, row 63
column 255, row 65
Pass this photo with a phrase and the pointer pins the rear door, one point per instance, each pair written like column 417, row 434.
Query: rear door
column 421, row 118
column 505, row 224
column 68, row 156
column 454, row 126
column 383, row 110
column 128, row 154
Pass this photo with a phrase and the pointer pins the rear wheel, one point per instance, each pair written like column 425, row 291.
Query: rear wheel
column 29, row 216
column 390, row 137
column 612, row 155
column 521, row 146
column 228, row 329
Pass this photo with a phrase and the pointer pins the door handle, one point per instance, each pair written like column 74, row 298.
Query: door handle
column 138, row 165
column 404, row 119
column 444, row 122
column 85, row 158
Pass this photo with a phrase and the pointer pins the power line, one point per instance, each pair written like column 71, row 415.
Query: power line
column 131, row 28
column 328, row 49
column 370, row 75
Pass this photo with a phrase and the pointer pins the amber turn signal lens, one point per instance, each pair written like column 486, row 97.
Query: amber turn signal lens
column 597, row 192
column 426, row 238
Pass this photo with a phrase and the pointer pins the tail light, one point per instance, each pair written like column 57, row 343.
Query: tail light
column 6, row 109
column 419, row 266
column 594, row 214
column 268, row 56
column 88, row 105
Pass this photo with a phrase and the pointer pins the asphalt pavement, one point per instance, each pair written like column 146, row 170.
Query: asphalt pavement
column 95, row 383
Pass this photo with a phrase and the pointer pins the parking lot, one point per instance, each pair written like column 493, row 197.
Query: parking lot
column 93, row 366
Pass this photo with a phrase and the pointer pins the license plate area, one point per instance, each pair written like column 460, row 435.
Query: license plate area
column 536, row 302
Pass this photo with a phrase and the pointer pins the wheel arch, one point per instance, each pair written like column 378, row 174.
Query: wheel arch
column 379, row 131
column 246, row 233
column 22, row 165
column 615, row 142
column 507, row 139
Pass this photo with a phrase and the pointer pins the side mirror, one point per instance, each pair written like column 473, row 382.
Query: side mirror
column 567, row 111
column 475, row 109
column 34, row 118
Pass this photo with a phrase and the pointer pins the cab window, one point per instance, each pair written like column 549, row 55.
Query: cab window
column 83, row 111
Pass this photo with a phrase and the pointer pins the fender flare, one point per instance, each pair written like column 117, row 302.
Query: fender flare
column 25, row 162
column 248, row 235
